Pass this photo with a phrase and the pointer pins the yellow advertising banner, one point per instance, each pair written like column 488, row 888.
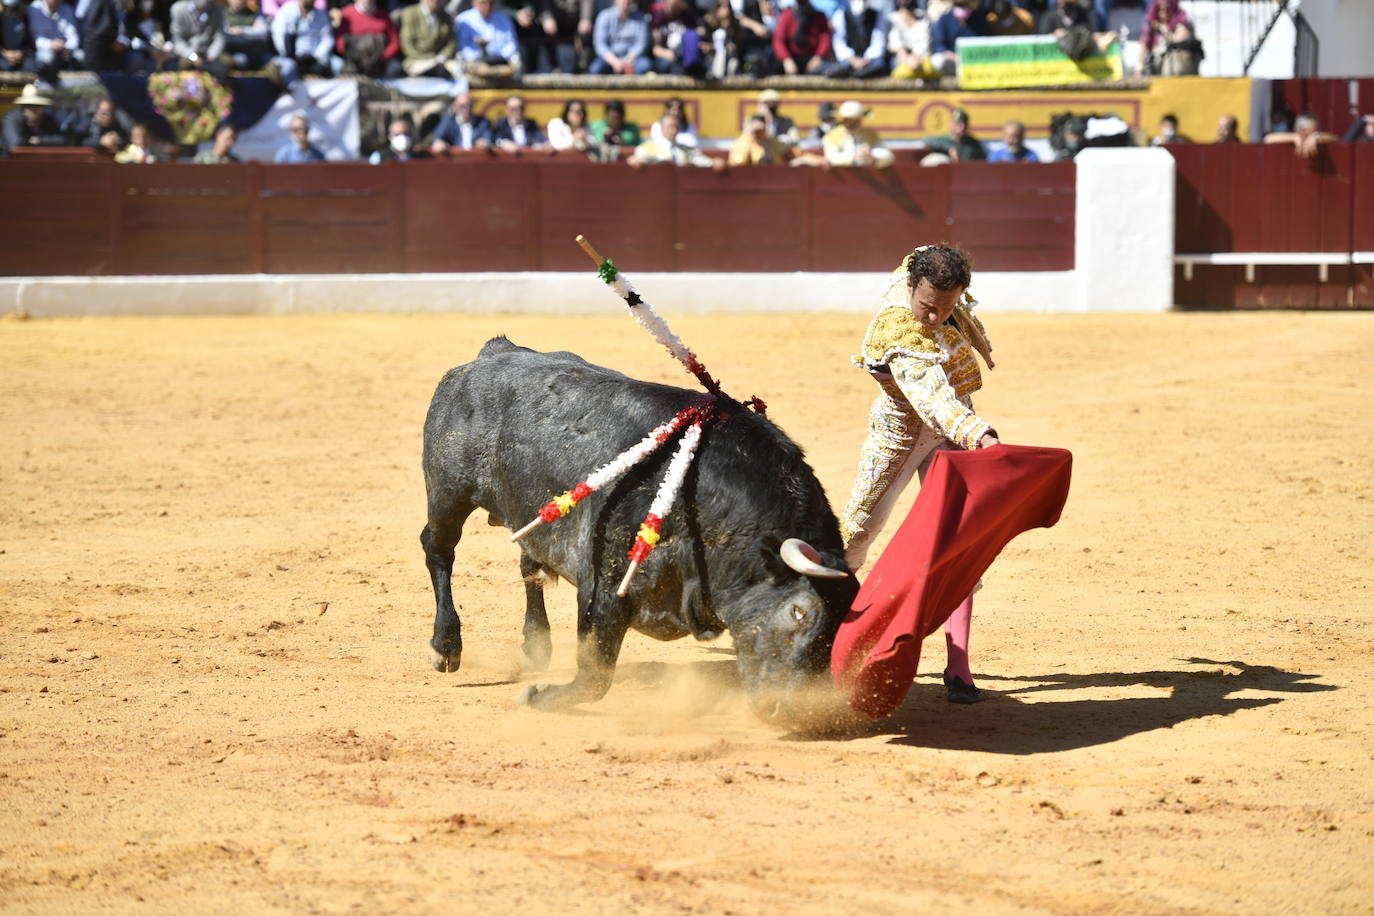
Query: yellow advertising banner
column 1032, row 60
column 909, row 115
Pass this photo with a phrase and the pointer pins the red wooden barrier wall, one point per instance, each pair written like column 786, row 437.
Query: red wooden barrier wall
column 1263, row 198
column 476, row 215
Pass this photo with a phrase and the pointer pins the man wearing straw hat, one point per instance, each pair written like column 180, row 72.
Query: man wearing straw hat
column 852, row 144
column 32, row 123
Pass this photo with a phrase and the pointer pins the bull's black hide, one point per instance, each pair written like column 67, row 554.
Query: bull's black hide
column 514, row 427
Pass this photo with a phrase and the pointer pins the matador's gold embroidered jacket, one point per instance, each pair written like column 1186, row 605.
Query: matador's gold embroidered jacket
column 933, row 370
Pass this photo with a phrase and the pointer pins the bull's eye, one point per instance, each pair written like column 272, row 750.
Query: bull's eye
column 798, row 613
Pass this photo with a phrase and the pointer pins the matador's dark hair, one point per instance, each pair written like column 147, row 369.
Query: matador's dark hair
column 944, row 266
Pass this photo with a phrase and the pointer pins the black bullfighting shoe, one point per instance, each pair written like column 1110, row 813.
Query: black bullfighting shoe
column 960, row 691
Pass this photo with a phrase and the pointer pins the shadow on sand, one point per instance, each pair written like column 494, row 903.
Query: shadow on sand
column 1005, row 724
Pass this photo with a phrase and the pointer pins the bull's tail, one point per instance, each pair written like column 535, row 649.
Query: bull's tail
column 497, row 345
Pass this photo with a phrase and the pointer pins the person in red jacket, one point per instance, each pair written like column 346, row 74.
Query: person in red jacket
column 802, row 39
column 367, row 40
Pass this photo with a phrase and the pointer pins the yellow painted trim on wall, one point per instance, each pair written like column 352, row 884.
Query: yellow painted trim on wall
column 910, row 115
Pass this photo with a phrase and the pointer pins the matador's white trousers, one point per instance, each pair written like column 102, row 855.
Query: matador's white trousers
column 898, row 447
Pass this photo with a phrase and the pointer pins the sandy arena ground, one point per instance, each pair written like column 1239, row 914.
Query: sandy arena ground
column 215, row 694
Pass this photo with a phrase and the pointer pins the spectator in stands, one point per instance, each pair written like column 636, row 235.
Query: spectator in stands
column 755, row 147
column 102, row 49
column 56, row 39
column 667, row 149
column 674, row 108
column 1005, row 18
column 528, row 35
column 621, row 40
column 16, row 49
column 567, row 28
column 741, row 40
column 1280, row 120
column 146, row 31
column 802, row 41
column 852, row 144
column 613, row 130
column 459, row 130
column 1362, row 131
column 298, row 149
column 1183, row 54
column 221, row 152
column 779, row 125
column 1070, row 22
column 246, row 38
column 32, row 122
column 859, row 39
column 304, row 40
column 365, row 37
column 572, row 131
column 677, row 34
column 959, row 144
column 963, row 21
column 140, row 150
column 1014, row 147
column 1162, row 19
column 825, row 120
column 487, row 36
column 429, row 44
column 103, row 131
column 198, row 35
column 400, row 144
column 515, row 132
column 1305, row 137
column 1227, row 127
column 1168, row 132
column 908, row 43
column 1073, row 139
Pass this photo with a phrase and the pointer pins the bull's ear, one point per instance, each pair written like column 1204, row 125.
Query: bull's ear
column 770, row 550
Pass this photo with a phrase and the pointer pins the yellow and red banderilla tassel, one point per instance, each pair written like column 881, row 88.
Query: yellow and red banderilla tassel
column 562, row 504
column 649, row 535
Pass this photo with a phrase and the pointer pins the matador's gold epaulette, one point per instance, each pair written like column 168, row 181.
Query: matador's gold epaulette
column 896, row 331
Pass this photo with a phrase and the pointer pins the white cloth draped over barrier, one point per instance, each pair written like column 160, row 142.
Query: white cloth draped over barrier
column 331, row 106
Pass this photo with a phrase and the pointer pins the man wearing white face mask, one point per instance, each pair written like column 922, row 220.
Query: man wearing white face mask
column 859, row 42
column 400, row 145
column 197, row 32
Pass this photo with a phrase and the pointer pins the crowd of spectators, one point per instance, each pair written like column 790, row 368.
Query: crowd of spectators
column 705, row 39
column 841, row 138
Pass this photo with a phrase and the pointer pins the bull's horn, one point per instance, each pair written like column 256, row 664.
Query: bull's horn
column 803, row 558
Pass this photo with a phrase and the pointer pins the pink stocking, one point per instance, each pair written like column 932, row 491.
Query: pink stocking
column 956, row 641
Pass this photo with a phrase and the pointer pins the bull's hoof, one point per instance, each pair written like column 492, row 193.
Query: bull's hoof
column 529, row 696
column 537, row 650
column 446, row 663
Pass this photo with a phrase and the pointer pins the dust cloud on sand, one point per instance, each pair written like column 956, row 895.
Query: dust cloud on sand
column 215, row 692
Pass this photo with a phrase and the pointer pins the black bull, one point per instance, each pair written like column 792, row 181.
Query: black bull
column 514, row 427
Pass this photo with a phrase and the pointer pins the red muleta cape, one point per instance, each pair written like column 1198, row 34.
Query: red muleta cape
column 970, row 505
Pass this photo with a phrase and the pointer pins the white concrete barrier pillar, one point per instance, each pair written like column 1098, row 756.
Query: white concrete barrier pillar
column 1124, row 232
